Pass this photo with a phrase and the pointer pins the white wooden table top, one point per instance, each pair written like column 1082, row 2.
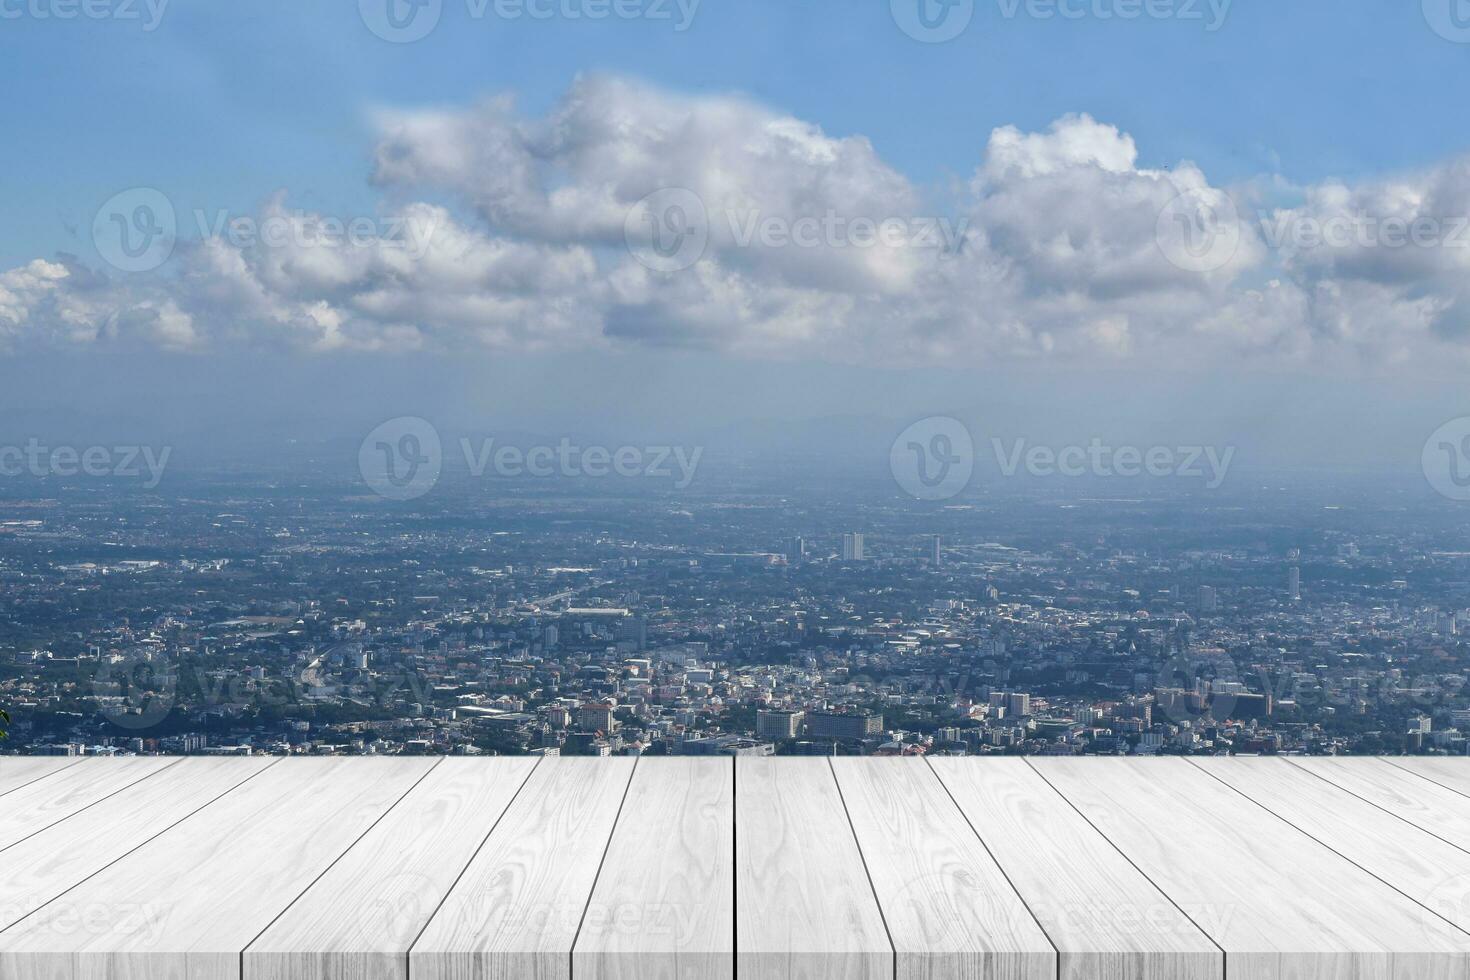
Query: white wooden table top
column 686, row 869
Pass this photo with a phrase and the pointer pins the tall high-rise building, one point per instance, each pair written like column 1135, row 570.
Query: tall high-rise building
column 777, row 725
column 936, row 555
column 634, row 631
column 1208, row 601
column 1294, row 583
column 852, row 546
column 597, row 717
column 796, row 550
column 827, row 724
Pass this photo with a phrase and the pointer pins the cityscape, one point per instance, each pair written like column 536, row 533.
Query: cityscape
column 769, row 608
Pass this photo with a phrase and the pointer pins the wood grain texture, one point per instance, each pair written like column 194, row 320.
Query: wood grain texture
column 950, row 911
column 804, row 908
column 16, row 772
column 515, row 912
column 1280, row 904
column 1405, row 788
column 1107, row 921
column 184, row 905
column 358, row 921
column 1426, row 869
column 1451, row 773
column 60, row 857
column 664, row 904
column 47, row 801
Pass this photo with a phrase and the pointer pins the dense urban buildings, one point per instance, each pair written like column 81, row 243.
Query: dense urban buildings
column 760, row 611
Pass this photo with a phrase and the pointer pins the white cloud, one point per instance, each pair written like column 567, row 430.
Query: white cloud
column 1051, row 250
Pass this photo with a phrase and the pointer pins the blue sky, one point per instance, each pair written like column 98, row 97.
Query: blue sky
column 225, row 102
column 1057, row 142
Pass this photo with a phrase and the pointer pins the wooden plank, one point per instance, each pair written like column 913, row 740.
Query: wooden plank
column 1107, row 921
column 37, row 806
column 60, row 857
column 1426, row 869
column 951, row 913
column 184, row 905
column 804, row 906
column 664, row 904
column 1404, row 788
column 1280, row 904
column 1451, row 773
column 514, row 913
column 18, row 771
column 361, row 917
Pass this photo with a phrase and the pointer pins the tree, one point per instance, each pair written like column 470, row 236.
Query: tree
column 4, row 722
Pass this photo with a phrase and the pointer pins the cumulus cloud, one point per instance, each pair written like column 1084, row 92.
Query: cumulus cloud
column 786, row 241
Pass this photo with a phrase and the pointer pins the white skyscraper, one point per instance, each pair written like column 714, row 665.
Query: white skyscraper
column 852, row 546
